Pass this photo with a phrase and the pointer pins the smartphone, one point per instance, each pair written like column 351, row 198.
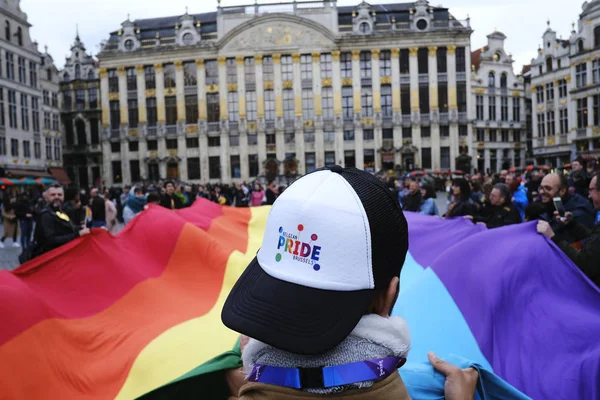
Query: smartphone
column 558, row 204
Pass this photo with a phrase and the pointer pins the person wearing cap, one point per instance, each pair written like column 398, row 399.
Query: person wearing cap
column 317, row 298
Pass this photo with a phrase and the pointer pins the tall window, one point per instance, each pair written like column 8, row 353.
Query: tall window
column 10, row 66
column 550, row 91
column 327, row 103
column 493, row 135
column 426, row 157
column 2, row 115
column 20, row 36
column 32, row 74
column 115, row 114
column 213, row 109
column 150, row 77
column 55, row 100
column 461, row 63
column 479, row 108
column 346, row 65
column 22, row 70
column 214, row 167
column 116, row 172
column 423, row 60
column 442, row 60
column 46, row 97
column 539, row 94
column 249, row 71
column 480, row 135
column 287, row 69
column 551, row 126
column 288, row 104
column 171, row 110
column 326, row 66
column 310, row 162
column 596, row 110
column 236, row 169
column 445, row 157
column 151, row 111
column 7, row 30
column 55, row 122
column 597, row 37
column 269, row 105
column 131, row 78
column 48, row 148
column 132, row 112
column 268, row 70
column 233, row 106
column 541, row 124
column 306, row 67
column 231, row 67
column 596, row 70
column 582, row 113
column 12, row 109
column 516, row 108
column 347, row 102
column 504, row 80
column 35, row 114
column 492, row 80
column 251, row 105
column 308, row 112
column 461, row 96
column 212, row 72
column 504, row 108
column 581, row 75
column 366, row 101
column 492, row 108
column 113, row 81
column 37, row 150
column 67, row 100
column 26, row 149
column 404, row 61
column 190, row 74
column 93, row 98
column 77, row 71
column 386, row 100
column 365, row 65
column 14, row 147
column 191, row 109
column 564, row 121
column 24, row 113
column 443, row 97
column 385, row 63
column 2, row 146
column 80, row 99
column 169, row 76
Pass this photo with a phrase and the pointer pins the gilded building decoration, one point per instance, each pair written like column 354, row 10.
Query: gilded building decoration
column 239, row 60
column 347, row 82
column 232, row 87
column 451, row 50
column 432, row 50
column 178, row 65
column 158, row 67
column 170, row 92
column 258, row 59
column 212, row 89
column 335, row 55
column 356, row 54
column 268, row 85
column 113, row 96
column 200, row 62
column 414, row 51
column 150, row 92
column 386, row 80
column 326, row 82
column 288, row 84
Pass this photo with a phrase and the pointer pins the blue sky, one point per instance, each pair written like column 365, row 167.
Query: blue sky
column 523, row 21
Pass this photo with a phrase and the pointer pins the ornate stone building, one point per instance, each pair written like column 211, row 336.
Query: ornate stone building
column 498, row 106
column 281, row 89
column 28, row 98
column 81, row 116
column 566, row 92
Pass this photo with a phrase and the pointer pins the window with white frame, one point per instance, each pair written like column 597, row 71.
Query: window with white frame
column 12, row 109
column 596, row 70
column 306, row 67
column 386, row 101
column 480, row 135
column 26, row 149
column 550, row 124
column 48, row 148
column 35, row 114
column 492, row 108
column 22, row 70
column 288, row 104
column 504, row 108
column 385, row 63
column 346, row 65
column 249, row 71
column 541, row 125
column 231, row 68
column 268, row 71
column 366, row 101
column 581, row 75
column 582, row 113
column 287, row 68
column 233, row 106
column 550, row 91
column 329, row 136
column 564, row 121
column 326, row 66
column 24, row 113
column 327, row 103
column 562, row 88
column 516, row 108
column 365, row 65
column 57, row 149
column 308, row 108
column 479, row 108
column 269, row 105
column 348, row 102
column 251, row 105
column 539, row 93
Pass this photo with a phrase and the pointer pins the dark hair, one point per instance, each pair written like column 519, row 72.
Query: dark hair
column 581, row 161
column 504, row 191
column 465, row 188
column 534, row 211
column 429, row 191
column 476, row 186
column 167, row 183
column 563, row 182
column 153, row 197
column 138, row 190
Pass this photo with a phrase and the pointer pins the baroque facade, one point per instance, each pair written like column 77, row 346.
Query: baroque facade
column 81, row 117
column 565, row 79
column 498, row 105
column 282, row 89
column 28, row 98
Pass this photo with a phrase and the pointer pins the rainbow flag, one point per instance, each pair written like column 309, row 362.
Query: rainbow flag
column 117, row 317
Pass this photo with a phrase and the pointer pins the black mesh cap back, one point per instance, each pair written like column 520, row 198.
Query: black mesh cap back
column 389, row 229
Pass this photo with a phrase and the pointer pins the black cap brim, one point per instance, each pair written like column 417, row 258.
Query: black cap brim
column 291, row 317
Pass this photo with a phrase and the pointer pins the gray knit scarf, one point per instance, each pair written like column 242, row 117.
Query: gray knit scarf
column 373, row 337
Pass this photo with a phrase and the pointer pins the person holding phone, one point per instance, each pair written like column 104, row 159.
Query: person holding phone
column 588, row 258
column 555, row 186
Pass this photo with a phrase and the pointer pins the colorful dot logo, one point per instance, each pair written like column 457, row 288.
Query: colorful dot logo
column 278, row 257
column 292, row 244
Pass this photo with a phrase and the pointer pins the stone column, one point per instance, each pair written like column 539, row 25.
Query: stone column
column 143, row 153
column 318, row 109
column 396, row 104
column 376, row 88
column 434, row 109
column 414, row 101
column 241, row 87
column 201, row 90
column 141, row 95
column 225, row 160
column 452, row 103
column 336, row 83
column 260, row 90
column 182, row 153
column 356, row 83
column 300, row 152
column 123, row 96
column 104, row 99
column 106, row 164
column 125, row 166
column 180, row 92
column 160, row 101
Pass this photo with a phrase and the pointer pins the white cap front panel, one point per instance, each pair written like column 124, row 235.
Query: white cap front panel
column 318, row 235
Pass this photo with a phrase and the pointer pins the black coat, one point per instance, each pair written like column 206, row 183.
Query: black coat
column 588, row 258
column 461, row 209
column 583, row 214
column 98, row 209
column 499, row 216
column 171, row 202
column 53, row 231
column 412, row 202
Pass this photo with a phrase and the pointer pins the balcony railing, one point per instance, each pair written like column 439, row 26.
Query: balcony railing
column 213, row 126
column 461, row 76
column 115, row 133
column 444, row 118
column 405, row 79
column 171, row 129
column 425, row 118
column 423, row 78
column 462, row 117
column 581, row 132
column 151, row 130
column 406, row 119
column 443, row 77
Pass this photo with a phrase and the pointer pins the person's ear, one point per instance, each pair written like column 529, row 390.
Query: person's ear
column 391, row 295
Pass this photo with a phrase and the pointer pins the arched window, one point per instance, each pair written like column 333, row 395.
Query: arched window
column 66, row 76
column 549, row 64
column 492, row 80
column 503, row 80
column 580, row 46
column 77, row 71
column 597, row 37
column 91, row 74
column 20, row 36
column 7, row 31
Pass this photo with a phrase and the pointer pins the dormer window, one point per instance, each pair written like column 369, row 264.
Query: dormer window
column 364, row 28
column 77, row 71
column 496, row 57
column 422, row 24
column 129, row 45
column 188, row 39
column 503, row 80
column 580, row 46
column 549, row 64
column 91, row 74
column 492, row 80
column 20, row 36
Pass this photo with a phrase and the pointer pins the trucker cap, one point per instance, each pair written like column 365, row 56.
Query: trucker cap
column 332, row 239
